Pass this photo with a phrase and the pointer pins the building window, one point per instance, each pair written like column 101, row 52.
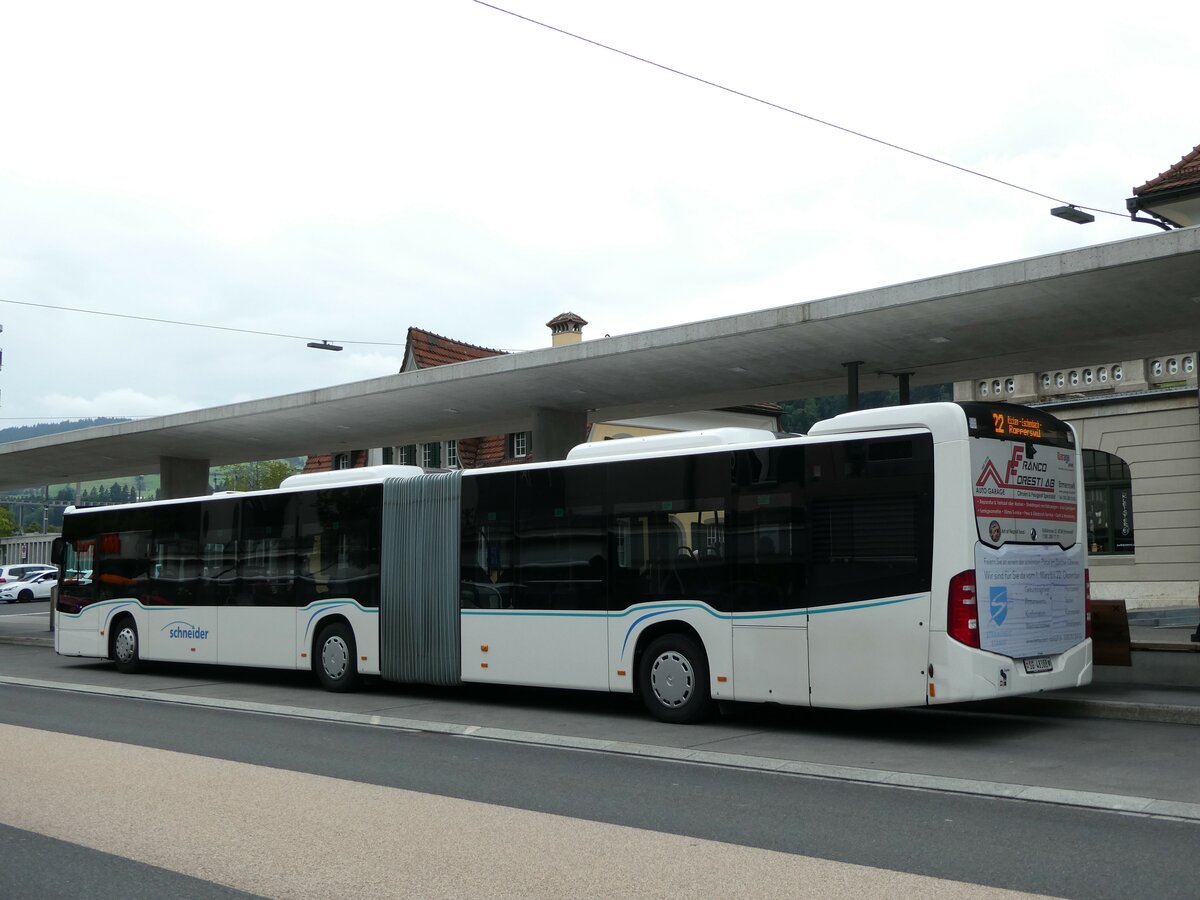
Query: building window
column 341, row 461
column 408, row 455
column 451, row 451
column 389, row 455
column 430, row 456
column 1109, row 491
column 518, row 444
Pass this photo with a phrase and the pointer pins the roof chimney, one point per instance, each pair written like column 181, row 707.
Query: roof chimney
column 566, row 328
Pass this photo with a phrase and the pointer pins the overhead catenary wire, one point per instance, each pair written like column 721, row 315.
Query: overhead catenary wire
column 117, row 315
column 251, row 331
column 789, row 110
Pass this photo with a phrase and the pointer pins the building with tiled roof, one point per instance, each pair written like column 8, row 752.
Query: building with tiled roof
column 424, row 349
column 1171, row 197
column 1138, row 428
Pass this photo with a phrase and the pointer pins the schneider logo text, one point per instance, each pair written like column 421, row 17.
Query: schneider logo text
column 186, row 632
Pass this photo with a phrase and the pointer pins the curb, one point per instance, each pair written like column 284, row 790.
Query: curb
column 1082, row 708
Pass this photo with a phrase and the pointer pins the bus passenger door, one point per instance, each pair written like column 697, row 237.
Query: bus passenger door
column 533, row 586
column 257, row 615
column 870, row 562
column 770, row 621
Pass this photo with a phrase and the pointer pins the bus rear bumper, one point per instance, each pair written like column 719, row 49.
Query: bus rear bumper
column 965, row 674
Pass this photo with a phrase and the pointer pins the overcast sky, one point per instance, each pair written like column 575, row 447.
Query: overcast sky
column 347, row 170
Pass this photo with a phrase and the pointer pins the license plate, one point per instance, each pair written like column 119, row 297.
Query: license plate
column 1038, row 664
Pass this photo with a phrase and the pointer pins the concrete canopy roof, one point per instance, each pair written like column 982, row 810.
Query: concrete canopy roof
column 1105, row 303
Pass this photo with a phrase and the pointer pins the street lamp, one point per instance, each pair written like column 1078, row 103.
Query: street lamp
column 1070, row 213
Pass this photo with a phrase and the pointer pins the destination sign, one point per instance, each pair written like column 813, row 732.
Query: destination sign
column 1015, row 423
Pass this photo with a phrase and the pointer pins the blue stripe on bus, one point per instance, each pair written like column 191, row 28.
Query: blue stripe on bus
column 659, row 609
column 323, row 606
column 118, row 604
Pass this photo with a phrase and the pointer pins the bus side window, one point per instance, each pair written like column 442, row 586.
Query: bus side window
column 218, row 553
column 666, row 530
column 560, row 539
column 487, row 541
column 872, row 519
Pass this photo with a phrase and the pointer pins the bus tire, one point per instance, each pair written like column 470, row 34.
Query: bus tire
column 673, row 680
column 125, row 647
column 336, row 658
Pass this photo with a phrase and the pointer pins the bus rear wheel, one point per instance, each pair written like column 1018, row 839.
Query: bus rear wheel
column 673, row 680
column 337, row 658
column 125, row 650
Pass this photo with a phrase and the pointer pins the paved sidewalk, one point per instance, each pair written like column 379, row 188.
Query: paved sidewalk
column 1163, row 685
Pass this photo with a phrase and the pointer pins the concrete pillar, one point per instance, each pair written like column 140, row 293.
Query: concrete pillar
column 183, row 477
column 555, row 432
column 852, row 384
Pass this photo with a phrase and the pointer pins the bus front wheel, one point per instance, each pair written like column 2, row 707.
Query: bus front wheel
column 125, row 650
column 673, row 679
column 336, row 658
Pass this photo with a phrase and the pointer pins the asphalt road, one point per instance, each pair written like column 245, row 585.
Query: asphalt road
column 42, row 607
column 976, row 744
column 243, row 801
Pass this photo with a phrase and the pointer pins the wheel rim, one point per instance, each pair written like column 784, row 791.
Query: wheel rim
column 672, row 679
column 335, row 657
column 126, row 645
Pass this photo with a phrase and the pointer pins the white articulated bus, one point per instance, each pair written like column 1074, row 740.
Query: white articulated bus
column 892, row 557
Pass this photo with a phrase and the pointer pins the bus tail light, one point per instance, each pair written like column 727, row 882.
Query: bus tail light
column 962, row 612
column 1087, row 604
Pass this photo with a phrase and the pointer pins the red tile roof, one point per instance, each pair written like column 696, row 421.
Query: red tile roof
column 426, row 350
column 1184, row 173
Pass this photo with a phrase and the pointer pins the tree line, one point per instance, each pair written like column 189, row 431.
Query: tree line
column 252, row 476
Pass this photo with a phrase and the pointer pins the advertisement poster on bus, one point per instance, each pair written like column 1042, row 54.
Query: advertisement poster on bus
column 1031, row 599
column 1024, row 493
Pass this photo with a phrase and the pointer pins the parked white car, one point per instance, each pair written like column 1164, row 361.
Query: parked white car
column 23, row 571
column 36, row 587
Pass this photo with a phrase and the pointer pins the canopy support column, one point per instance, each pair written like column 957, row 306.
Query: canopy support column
column 183, row 477
column 555, row 432
column 852, row 384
